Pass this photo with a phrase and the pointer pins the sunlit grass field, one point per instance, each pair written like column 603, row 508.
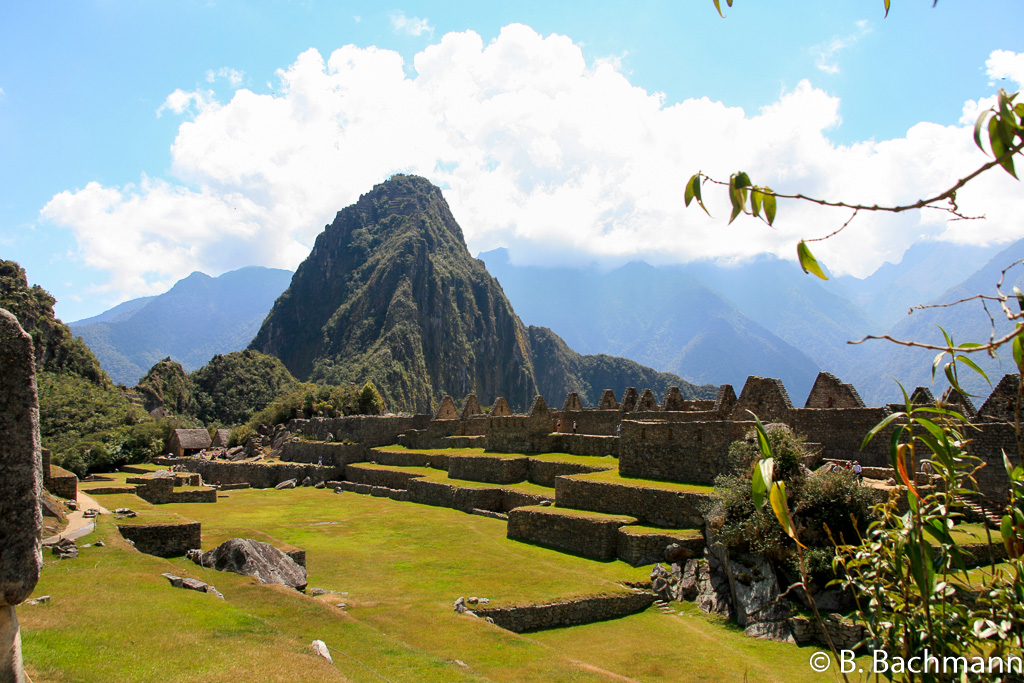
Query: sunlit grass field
column 396, row 568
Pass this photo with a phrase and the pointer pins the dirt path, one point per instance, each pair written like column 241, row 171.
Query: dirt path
column 78, row 524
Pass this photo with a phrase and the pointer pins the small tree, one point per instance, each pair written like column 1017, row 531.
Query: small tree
column 370, row 401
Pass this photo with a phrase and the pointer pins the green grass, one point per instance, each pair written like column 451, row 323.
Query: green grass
column 582, row 514
column 430, row 474
column 613, row 477
column 683, row 534
column 400, row 566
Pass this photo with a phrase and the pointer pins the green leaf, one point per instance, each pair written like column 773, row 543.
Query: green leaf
column 807, row 261
column 879, row 427
column 974, row 366
column 742, row 179
column 1020, row 298
column 691, row 191
column 979, row 125
column 1018, row 353
column 718, row 6
column 781, row 508
column 762, row 479
column 738, row 183
column 756, row 198
column 769, row 206
column 999, row 147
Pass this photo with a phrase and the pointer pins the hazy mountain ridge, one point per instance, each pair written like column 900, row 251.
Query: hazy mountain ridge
column 198, row 318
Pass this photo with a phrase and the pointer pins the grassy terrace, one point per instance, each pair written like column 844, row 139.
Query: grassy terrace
column 430, row 474
column 613, row 477
column 589, row 460
column 397, row 567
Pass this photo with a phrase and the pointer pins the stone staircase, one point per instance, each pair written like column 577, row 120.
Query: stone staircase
column 575, row 504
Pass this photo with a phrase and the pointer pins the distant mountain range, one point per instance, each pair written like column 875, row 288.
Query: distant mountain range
column 196, row 319
column 705, row 322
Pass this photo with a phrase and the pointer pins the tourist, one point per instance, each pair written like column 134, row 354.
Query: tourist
column 558, row 425
column 618, row 429
column 574, row 427
column 320, row 461
column 858, row 470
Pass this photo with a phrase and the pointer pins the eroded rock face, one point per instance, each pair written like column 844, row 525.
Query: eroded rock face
column 255, row 558
column 20, row 465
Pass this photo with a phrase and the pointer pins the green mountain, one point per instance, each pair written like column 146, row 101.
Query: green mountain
column 390, row 294
column 198, row 318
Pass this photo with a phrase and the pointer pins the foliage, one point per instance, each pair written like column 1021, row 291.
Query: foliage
column 92, row 429
column 820, row 498
column 166, row 385
column 56, row 349
column 370, row 401
column 316, row 400
column 232, row 387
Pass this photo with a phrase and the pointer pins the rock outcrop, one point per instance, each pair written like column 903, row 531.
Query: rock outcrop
column 255, row 558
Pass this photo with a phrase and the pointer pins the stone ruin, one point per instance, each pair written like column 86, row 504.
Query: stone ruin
column 682, row 440
column 21, row 472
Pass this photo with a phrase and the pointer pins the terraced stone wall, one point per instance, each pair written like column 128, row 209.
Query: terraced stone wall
column 163, row 540
column 593, row 536
column 378, row 477
column 691, row 452
column 544, row 472
column 660, row 507
column 489, row 469
column 569, row 613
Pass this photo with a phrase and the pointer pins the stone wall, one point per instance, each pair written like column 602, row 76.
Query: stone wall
column 585, row 534
column 368, row 474
column 692, row 452
column 333, row 454
column 569, row 613
column 368, row 430
column 844, row 633
column 438, row 461
column 163, row 540
column 988, row 443
column 544, row 472
column 257, row 475
column 840, row 433
column 62, row 483
column 643, row 546
column 584, row 444
column 660, row 507
column 494, row 470
column 518, row 433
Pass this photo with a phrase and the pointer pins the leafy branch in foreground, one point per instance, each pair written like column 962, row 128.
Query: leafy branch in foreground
column 1003, row 123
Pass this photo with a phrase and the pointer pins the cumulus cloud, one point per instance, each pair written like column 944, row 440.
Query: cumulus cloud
column 413, row 26
column 826, row 53
column 536, row 150
column 1003, row 64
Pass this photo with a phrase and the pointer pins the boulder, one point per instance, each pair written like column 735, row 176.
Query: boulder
column 288, row 484
column 65, row 549
column 307, row 482
column 255, row 558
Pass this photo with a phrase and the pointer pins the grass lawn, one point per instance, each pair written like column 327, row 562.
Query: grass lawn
column 613, row 477
column 397, row 567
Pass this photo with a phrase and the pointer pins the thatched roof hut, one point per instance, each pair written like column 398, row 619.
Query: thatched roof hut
column 185, row 442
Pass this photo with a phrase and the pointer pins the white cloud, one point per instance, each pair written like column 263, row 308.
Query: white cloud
column 1003, row 64
column 826, row 52
column 232, row 76
column 413, row 26
column 537, row 151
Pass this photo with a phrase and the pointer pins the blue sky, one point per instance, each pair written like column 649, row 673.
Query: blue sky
column 144, row 140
